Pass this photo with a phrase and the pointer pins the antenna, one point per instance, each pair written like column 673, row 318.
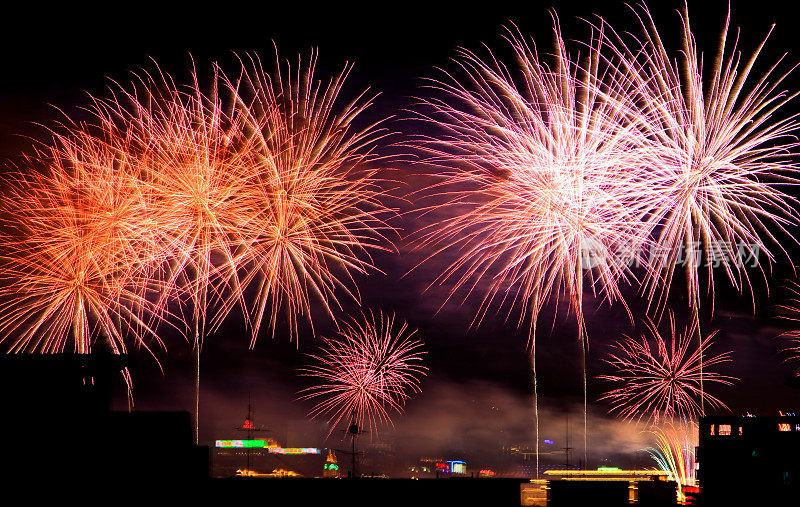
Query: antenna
column 249, row 427
column 353, row 430
column 567, row 449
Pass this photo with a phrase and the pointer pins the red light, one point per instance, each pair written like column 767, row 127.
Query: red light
column 248, row 424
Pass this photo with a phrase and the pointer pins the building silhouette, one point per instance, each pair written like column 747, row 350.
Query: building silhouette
column 749, row 460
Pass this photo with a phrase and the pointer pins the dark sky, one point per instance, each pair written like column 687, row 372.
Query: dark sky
column 52, row 56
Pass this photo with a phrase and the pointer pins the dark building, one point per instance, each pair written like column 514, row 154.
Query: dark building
column 749, row 460
column 595, row 493
column 56, row 423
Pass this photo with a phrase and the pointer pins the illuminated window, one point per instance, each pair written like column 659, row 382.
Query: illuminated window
column 784, row 427
column 711, row 432
column 740, row 431
column 724, row 429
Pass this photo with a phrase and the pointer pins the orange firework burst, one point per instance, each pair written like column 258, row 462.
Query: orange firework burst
column 170, row 193
column 311, row 209
column 191, row 158
column 366, row 372
column 662, row 382
column 78, row 250
column 258, row 183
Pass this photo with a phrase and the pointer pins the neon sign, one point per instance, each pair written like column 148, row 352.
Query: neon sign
column 294, row 450
column 457, row 467
column 227, row 444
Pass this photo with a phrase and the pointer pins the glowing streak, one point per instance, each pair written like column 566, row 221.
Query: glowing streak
column 674, row 453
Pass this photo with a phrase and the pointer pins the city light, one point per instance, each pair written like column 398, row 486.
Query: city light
column 225, row 444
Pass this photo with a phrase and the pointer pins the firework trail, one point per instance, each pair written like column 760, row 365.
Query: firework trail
column 674, row 453
column 311, row 211
column 721, row 157
column 552, row 162
column 78, row 254
column 662, row 382
column 369, row 370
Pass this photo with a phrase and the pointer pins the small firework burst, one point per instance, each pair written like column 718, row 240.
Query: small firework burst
column 661, row 382
column 365, row 373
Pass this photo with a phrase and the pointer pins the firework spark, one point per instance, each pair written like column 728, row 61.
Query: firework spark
column 720, row 156
column 78, row 250
column 365, row 373
column 662, row 383
column 311, row 210
column 674, row 453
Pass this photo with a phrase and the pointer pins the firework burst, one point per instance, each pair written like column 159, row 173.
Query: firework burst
column 662, row 382
column 720, row 156
column 78, row 251
column 552, row 162
column 312, row 210
column 254, row 182
column 366, row 373
column 190, row 154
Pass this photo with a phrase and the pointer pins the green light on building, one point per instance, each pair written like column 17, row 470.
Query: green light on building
column 226, row 444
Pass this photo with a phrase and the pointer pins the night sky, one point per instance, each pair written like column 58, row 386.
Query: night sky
column 477, row 393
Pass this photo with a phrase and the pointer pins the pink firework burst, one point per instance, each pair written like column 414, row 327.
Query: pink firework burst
column 658, row 377
column 365, row 373
column 546, row 168
column 722, row 155
column 551, row 162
